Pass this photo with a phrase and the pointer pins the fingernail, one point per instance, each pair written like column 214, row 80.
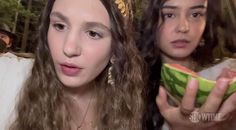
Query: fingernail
column 223, row 83
column 192, row 83
column 161, row 90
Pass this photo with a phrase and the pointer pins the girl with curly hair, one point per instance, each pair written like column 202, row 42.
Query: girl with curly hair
column 87, row 72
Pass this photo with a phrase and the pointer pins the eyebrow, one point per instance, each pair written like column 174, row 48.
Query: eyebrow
column 59, row 15
column 96, row 24
column 198, row 7
column 168, row 7
column 175, row 7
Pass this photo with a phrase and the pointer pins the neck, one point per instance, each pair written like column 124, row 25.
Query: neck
column 187, row 61
column 80, row 104
column 82, row 92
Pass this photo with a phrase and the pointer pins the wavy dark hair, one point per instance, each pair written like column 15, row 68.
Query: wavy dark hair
column 148, row 45
column 229, row 26
column 152, row 119
column 42, row 101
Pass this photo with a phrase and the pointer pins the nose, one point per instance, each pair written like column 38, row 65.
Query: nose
column 182, row 25
column 71, row 46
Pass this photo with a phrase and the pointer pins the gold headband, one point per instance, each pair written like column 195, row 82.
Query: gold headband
column 123, row 7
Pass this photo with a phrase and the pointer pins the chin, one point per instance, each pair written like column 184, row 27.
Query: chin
column 73, row 85
column 71, row 82
column 181, row 55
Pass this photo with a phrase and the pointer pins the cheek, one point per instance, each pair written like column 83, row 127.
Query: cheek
column 7, row 40
column 50, row 38
column 198, row 30
column 53, row 44
column 99, row 58
column 164, row 37
column 165, row 31
column 50, row 42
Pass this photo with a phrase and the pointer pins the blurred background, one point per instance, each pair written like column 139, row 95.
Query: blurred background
column 21, row 17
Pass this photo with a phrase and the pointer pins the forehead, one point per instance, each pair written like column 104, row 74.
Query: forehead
column 82, row 10
column 3, row 34
column 185, row 3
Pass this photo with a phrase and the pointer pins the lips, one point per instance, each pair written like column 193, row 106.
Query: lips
column 180, row 43
column 70, row 69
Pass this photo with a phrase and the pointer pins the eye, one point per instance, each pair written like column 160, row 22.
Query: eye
column 168, row 15
column 59, row 26
column 196, row 15
column 94, row 35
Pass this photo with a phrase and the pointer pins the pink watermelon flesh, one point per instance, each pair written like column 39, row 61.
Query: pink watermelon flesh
column 184, row 69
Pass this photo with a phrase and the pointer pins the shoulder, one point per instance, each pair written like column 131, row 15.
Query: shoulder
column 13, row 72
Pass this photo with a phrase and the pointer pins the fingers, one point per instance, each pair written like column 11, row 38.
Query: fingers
column 169, row 112
column 228, row 106
column 215, row 98
column 227, row 73
column 188, row 101
column 161, row 100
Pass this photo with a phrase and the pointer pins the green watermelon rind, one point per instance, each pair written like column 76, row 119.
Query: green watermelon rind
column 176, row 80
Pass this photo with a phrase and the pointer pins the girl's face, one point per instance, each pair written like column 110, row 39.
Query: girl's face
column 182, row 26
column 79, row 40
column 5, row 38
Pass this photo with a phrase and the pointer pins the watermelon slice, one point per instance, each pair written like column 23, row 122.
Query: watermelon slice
column 175, row 78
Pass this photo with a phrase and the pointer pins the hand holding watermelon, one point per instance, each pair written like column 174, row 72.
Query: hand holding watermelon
column 175, row 78
column 211, row 90
column 179, row 117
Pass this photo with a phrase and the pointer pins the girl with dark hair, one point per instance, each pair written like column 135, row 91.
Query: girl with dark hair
column 183, row 32
column 87, row 73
